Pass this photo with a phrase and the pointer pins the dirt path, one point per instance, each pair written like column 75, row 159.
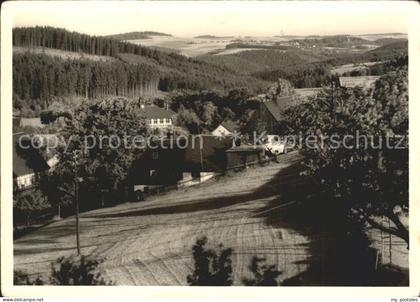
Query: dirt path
column 149, row 243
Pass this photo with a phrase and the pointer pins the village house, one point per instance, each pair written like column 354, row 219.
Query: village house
column 364, row 82
column 242, row 156
column 158, row 118
column 21, row 122
column 270, row 113
column 28, row 164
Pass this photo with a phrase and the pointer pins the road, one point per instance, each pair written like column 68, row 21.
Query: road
column 149, row 243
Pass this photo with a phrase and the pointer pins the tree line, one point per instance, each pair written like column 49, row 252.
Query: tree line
column 302, row 75
column 379, row 68
column 203, row 111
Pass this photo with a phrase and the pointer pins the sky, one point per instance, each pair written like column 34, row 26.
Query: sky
column 221, row 18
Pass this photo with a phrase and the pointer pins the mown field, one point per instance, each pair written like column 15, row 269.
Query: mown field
column 256, row 212
column 149, row 243
column 187, row 46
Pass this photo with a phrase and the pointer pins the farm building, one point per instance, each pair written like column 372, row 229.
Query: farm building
column 210, row 157
column 364, row 82
column 171, row 164
column 270, row 113
column 28, row 164
column 243, row 156
column 160, row 166
column 201, row 159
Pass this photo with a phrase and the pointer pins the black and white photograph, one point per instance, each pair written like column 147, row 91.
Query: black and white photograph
column 225, row 143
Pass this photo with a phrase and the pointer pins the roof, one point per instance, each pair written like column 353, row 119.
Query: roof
column 362, row 81
column 154, row 112
column 212, row 154
column 277, row 107
column 26, row 161
column 307, row 92
column 31, row 121
column 199, row 153
column 230, row 126
column 246, row 148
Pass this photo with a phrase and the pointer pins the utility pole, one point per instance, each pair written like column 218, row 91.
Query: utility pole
column 390, row 242
column 201, row 158
column 76, row 200
column 76, row 206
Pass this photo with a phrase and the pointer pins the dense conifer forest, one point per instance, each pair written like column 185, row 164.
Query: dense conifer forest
column 133, row 71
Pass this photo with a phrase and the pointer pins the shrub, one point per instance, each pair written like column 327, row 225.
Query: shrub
column 264, row 275
column 76, row 271
column 212, row 268
column 21, row 278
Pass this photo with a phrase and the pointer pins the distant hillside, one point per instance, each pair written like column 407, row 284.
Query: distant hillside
column 137, row 35
column 196, row 75
column 256, row 46
column 307, row 75
column 253, row 61
column 389, row 50
column 332, row 41
column 316, row 74
column 132, row 70
column 386, row 41
column 383, row 53
column 213, row 37
column 385, row 35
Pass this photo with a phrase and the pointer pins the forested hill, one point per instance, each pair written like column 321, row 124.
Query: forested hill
column 332, row 41
column 39, row 78
column 137, row 35
column 383, row 53
column 51, row 37
column 318, row 73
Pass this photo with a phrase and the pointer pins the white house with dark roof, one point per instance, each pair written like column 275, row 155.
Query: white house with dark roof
column 364, row 82
column 157, row 118
column 28, row 164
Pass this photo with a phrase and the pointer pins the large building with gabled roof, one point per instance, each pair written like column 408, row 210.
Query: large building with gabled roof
column 157, row 118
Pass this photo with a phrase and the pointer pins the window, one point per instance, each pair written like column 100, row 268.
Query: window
column 25, row 181
column 155, row 155
column 152, row 173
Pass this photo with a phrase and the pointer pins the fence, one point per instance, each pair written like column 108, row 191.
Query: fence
column 392, row 250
